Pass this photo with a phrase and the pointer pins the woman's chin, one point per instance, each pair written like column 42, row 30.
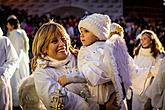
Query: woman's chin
column 62, row 56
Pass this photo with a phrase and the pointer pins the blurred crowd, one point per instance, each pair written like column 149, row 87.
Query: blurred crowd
column 132, row 26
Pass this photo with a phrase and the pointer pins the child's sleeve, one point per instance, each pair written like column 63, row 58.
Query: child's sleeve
column 48, row 90
column 76, row 78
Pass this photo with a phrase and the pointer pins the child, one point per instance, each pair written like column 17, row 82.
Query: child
column 119, row 49
column 96, row 61
column 147, row 54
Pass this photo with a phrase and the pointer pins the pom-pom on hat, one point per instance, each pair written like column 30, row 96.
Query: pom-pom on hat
column 98, row 24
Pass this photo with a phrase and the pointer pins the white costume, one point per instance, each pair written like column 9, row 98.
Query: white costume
column 156, row 91
column 94, row 64
column 98, row 65
column 8, row 64
column 143, row 59
column 20, row 42
column 28, row 98
column 46, row 75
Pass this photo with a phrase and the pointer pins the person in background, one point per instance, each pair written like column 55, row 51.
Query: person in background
column 8, row 64
column 148, row 54
column 53, row 58
column 120, row 52
column 28, row 98
column 124, row 62
column 156, row 92
column 20, row 42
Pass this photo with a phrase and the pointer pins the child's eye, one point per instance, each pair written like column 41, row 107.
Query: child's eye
column 86, row 30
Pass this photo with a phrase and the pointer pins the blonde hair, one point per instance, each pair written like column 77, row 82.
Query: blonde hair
column 116, row 29
column 156, row 45
column 45, row 35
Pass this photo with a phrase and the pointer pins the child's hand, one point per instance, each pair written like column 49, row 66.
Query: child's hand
column 62, row 80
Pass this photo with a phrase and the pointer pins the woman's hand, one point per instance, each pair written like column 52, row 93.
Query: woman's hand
column 63, row 80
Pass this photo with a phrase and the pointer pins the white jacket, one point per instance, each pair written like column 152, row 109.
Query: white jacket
column 45, row 78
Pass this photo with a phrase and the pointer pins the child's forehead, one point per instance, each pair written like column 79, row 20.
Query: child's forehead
column 82, row 28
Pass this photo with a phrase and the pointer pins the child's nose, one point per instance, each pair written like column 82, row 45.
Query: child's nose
column 81, row 35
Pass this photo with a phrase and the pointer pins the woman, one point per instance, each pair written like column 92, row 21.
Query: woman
column 147, row 54
column 52, row 59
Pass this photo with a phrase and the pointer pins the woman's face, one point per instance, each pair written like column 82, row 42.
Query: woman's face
column 145, row 41
column 58, row 49
column 9, row 27
column 86, row 37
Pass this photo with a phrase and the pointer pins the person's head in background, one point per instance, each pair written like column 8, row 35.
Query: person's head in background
column 148, row 39
column 116, row 29
column 50, row 40
column 94, row 28
column 12, row 23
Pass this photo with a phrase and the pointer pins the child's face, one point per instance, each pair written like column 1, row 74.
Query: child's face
column 86, row 37
column 145, row 41
column 57, row 49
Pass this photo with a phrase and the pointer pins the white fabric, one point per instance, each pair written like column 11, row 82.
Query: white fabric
column 119, row 48
column 8, row 64
column 96, row 64
column 28, row 98
column 98, row 24
column 20, row 42
column 1, row 33
column 156, row 91
column 45, row 78
column 143, row 59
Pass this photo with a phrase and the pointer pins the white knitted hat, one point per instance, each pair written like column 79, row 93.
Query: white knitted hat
column 98, row 24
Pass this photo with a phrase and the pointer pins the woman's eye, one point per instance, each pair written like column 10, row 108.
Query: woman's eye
column 54, row 41
column 63, row 39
